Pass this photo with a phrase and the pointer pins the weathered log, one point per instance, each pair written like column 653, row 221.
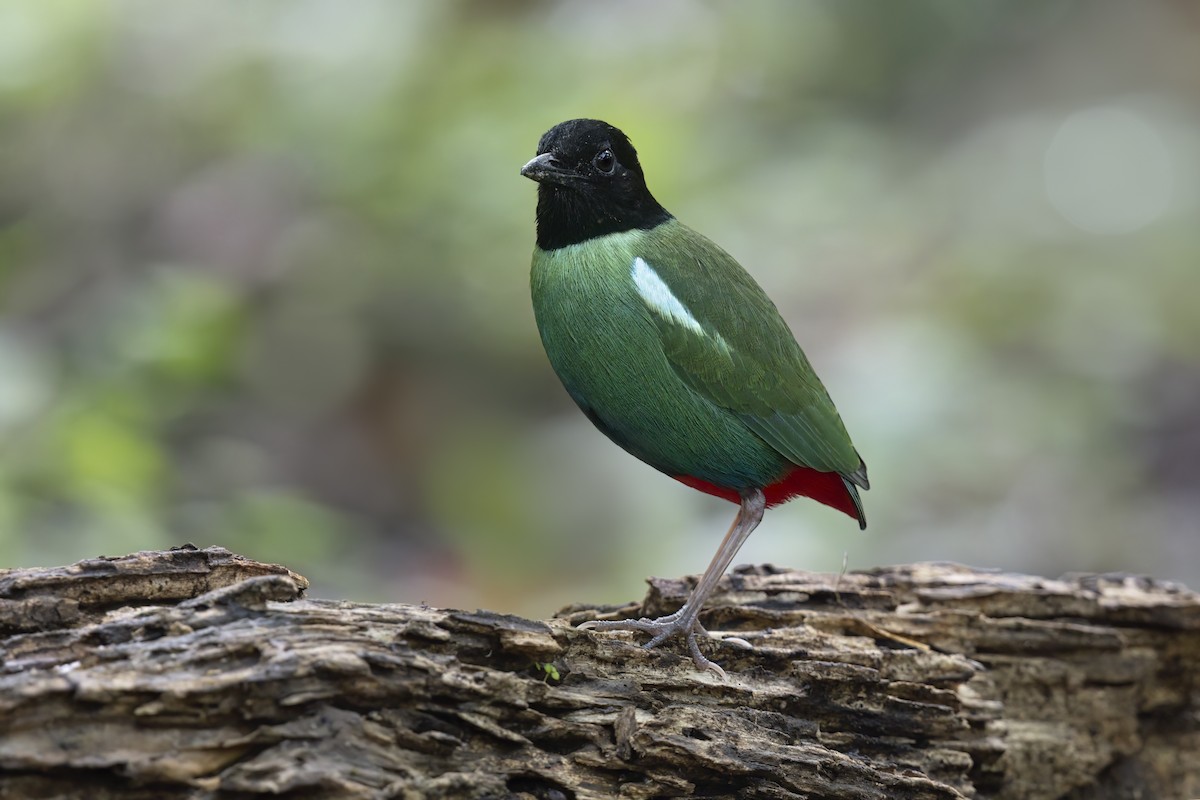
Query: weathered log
column 201, row 674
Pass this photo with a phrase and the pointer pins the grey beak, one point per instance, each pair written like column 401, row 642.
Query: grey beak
column 543, row 167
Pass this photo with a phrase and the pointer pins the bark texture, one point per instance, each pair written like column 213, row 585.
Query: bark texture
column 201, row 674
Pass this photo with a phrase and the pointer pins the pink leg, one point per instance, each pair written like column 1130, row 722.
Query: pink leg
column 685, row 620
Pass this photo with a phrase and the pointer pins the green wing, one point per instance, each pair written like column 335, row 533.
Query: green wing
column 728, row 343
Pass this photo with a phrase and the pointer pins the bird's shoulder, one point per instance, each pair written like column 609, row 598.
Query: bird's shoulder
column 726, row 340
column 677, row 269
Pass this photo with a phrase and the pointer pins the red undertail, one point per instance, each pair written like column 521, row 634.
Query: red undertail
column 824, row 487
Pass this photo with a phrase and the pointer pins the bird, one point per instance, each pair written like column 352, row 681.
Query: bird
column 674, row 352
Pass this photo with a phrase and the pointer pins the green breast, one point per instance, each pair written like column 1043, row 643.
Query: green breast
column 605, row 344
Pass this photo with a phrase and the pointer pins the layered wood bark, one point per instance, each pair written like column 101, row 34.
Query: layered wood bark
column 201, row 674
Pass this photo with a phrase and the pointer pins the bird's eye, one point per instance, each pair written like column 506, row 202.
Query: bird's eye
column 605, row 161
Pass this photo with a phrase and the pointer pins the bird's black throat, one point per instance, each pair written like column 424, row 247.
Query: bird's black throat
column 572, row 214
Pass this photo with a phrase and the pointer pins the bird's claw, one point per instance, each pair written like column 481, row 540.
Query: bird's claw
column 662, row 629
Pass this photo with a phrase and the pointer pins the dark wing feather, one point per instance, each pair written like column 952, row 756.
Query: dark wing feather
column 745, row 359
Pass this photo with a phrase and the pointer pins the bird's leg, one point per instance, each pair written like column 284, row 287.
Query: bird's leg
column 685, row 620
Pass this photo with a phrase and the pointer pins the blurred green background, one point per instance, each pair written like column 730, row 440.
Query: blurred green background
column 264, row 281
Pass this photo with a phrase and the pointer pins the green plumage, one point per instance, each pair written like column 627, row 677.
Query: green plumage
column 721, row 393
column 674, row 351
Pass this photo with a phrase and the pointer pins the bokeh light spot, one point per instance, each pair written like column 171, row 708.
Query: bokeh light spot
column 1107, row 171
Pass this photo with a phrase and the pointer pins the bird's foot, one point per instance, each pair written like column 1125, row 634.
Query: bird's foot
column 663, row 628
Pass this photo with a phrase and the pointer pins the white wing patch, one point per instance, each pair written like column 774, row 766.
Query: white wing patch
column 663, row 301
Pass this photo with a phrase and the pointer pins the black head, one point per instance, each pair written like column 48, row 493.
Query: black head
column 589, row 184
